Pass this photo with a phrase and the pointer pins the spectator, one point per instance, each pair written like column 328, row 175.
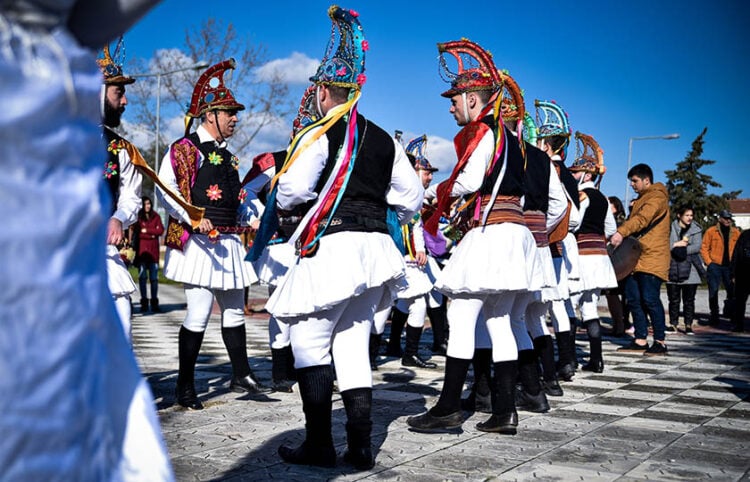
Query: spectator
column 716, row 250
column 150, row 228
column 685, row 266
column 616, row 296
column 740, row 276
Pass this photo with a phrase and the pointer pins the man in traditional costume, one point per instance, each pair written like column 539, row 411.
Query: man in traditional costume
column 74, row 404
column 122, row 179
column 597, row 226
column 344, row 179
column 553, row 137
column 495, row 260
column 206, row 254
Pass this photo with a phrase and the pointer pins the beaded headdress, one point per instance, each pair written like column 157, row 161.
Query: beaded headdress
column 529, row 129
column 212, row 93
column 551, row 119
column 111, row 65
column 476, row 70
column 344, row 62
column 418, row 148
column 589, row 156
column 512, row 105
column 306, row 113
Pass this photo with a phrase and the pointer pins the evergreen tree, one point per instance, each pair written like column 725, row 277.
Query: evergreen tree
column 688, row 186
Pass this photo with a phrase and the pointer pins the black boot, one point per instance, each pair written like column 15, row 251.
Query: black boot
column 439, row 322
column 374, row 350
column 545, row 352
column 573, row 348
column 144, row 305
column 530, row 397
column 316, row 390
column 565, row 368
column 189, row 345
column 243, row 380
column 446, row 413
column 504, row 418
column 411, row 356
column 282, row 379
column 155, row 305
column 358, row 406
column 398, row 320
column 596, row 362
column 480, row 398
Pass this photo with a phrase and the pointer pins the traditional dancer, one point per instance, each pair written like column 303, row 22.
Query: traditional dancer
column 208, row 258
column 122, row 178
column 597, row 225
column 553, row 137
column 495, row 260
column 343, row 176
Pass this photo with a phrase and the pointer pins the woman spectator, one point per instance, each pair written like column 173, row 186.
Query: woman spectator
column 685, row 238
column 149, row 229
column 615, row 296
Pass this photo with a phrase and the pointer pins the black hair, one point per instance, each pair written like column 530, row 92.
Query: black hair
column 615, row 201
column 682, row 209
column 642, row 171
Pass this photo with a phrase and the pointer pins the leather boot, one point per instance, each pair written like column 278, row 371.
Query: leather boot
column 374, row 350
column 398, row 320
column 504, row 417
column 446, row 414
column 411, row 356
column 480, row 398
column 243, row 380
column 573, row 347
column 358, row 406
column 316, row 390
column 565, row 368
column 545, row 352
column 189, row 345
column 282, row 379
column 530, row 397
column 439, row 322
column 596, row 362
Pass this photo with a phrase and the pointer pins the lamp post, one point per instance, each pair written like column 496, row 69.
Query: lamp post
column 630, row 155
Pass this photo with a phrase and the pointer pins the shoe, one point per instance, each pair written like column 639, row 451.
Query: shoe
column 566, row 372
column 505, row 424
column 186, row 397
column 361, row 459
column 552, row 388
column 476, row 402
column 416, row 361
column 689, row 330
column 634, row 347
column 428, row 422
column 283, row 386
column 308, row 455
column 440, row 350
column 670, row 329
column 531, row 403
column 144, row 305
column 155, row 305
column 594, row 366
column 657, row 349
column 248, row 384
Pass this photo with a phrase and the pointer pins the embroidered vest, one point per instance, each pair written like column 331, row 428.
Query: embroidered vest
column 112, row 167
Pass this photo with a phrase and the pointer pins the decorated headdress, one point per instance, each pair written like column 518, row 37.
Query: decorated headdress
column 551, row 119
column 512, row 105
column 589, row 156
column 111, row 65
column 344, row 62
column 476, row 70
column 418, row 148
column 212, row 93
column 529, row 129
column 306, row 114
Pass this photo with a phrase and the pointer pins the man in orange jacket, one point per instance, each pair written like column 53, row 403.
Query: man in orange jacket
column 716, row 251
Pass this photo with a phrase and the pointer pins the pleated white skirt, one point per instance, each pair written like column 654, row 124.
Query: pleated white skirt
column 418, row 281
column 118, row 278
column 597, row 272
column 274, row 262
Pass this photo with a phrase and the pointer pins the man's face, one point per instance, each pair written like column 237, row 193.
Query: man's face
column 114, row 104
column 639, row 184
column 458, row 109
column 226, row 120
column 425, row 176
column 725, row 221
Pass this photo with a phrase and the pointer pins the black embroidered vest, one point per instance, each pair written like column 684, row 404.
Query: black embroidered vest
column 217, row 183
column 593, row 218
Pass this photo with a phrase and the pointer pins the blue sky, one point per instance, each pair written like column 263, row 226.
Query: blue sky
column 620, row 69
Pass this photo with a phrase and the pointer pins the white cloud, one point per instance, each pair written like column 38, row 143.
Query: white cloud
column 295, row 69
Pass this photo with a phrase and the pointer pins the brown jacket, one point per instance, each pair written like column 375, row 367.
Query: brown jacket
column 712, row 249
column 649, row 219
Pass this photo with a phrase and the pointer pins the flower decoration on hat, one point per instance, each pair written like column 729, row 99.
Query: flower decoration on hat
column 110, row 65
column 476, row 70
column 551, row 119
column 343, row 64
column 589, row 156
column 418, row 148
column 211, row 93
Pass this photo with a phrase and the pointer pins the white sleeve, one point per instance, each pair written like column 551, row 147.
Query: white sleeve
column 419, row 236
column 610, row 225
column 470, row 179
column 167, row 176
column 297, row 185
column 575, row 218
column 129, row 198
column 558, row 201
column 405, row 193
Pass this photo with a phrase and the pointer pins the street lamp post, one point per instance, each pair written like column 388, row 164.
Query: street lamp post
column 630, row 156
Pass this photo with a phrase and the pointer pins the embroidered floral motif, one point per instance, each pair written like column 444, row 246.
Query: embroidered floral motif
column 115, row 146
column 213, row 236
column 235, row 162
column 110, row 169
column 214, row 158
column 213, row 192
column 243, row 195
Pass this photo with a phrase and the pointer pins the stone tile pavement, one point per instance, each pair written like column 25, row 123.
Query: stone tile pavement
column 681, row 417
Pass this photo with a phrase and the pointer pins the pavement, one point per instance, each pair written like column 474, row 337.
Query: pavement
column 681, row 417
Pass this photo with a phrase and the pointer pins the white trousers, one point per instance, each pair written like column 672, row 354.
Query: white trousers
column 124, row 312
column 589, row 302
column 518, row 320
column 559, row 316
column 341, row 333
column 474, row 321
column 200, row 302
column 416, row 308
